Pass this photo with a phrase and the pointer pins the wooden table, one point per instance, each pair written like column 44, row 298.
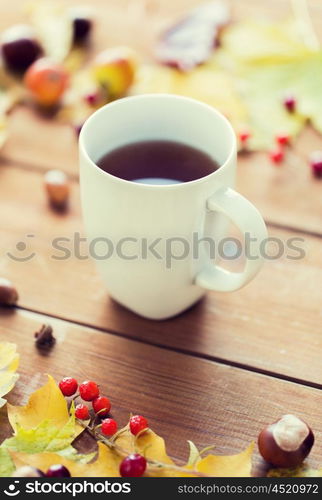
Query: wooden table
column 216, row 374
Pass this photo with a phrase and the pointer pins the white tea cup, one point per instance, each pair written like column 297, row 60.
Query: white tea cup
column 124, row 219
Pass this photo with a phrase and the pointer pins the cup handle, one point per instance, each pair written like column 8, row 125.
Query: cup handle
column 248, row 220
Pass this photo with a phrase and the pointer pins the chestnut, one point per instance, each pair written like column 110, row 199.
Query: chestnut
column 81, row 24
column 286, row 442
column 19, row 47
column 8, row 293
column 27, row 471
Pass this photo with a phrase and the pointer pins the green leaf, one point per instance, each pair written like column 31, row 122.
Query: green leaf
column 302, row 471
column 6, row 464
column 71, row 453
column 45, row 437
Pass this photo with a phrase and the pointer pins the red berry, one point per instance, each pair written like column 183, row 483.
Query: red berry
column 102, row 406
column 89, row 390
column 283, row 139
column 290, row 103
column 316, row 163
column 276, row 156
column 244, row 136
column 138, row 424
column 57, row 471
column 68, row 386
column 133, row 466
column 109, row 427
column 82, row 412
column 93, row 98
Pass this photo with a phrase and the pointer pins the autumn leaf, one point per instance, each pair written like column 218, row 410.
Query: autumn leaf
column 254, row 42
column 302, row 471
column 45, row 422
column 45, row 428
column 153, row 448
column 6, row 464
column 44, row 437
column 106, row 464
column 53, row 26
column 247, row 79
column 194, row 454
column 227, row 466
column 210, row 84
column 46, row 403
column 147, row 444
column 9, row 361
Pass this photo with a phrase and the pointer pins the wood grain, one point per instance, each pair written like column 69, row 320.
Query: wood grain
column 272, row 324
column 196, row 376
column 182, row 397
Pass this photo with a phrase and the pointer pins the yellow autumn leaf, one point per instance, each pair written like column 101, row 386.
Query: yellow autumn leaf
column 9, row 361
column 302, row 471
column 255, row 42
column 152, row 446
column 208, row 83
column 45, row 404
column 53, row 25
column 9, row 358
column 106, row 464
column 227, row 466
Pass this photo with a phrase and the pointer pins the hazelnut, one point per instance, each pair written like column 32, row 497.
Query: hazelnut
column 57, row 187
column 27, row 471
column 286, row 442
column 8, row 293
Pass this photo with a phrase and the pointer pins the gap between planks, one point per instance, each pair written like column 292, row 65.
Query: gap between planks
column 187, row 352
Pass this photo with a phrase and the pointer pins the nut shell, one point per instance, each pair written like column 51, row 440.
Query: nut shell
column 27, row 471
column 8, row 293
column 19, row 47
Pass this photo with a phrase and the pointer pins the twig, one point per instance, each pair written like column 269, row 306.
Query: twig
column 124, row 453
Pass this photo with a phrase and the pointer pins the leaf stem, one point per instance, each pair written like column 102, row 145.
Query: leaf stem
column 305, row 25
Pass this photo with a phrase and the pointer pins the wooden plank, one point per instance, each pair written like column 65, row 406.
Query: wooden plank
column 286, row 196
column 183, row 397
column 272, row 324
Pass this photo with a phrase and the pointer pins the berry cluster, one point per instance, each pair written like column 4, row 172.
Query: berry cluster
column 133, row 465
column 277, row 154
column 88, row 391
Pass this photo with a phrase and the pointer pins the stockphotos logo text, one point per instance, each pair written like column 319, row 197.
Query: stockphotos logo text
column 167, row 250
column 71, row 488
